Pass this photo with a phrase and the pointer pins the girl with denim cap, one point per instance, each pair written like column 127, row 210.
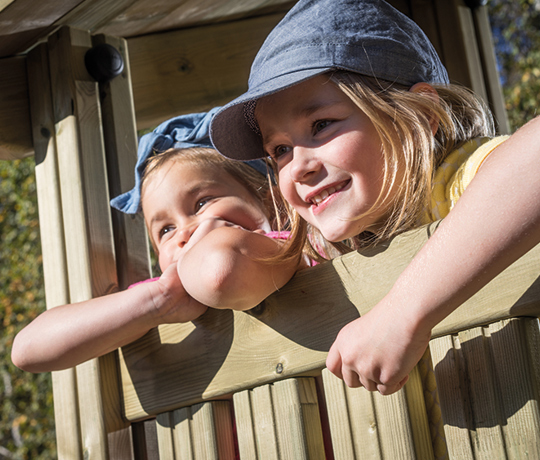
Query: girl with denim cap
column 369, row 139
column 210, row 222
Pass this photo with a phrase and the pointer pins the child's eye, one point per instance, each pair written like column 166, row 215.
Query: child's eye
column 166, row 229
column 279, row 151
column 201, row 204
column 319, row 125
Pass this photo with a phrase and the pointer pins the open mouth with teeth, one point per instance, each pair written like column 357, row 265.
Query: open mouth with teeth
column 318, row 199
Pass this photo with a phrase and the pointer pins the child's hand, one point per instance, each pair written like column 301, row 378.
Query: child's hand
column 179, row 307
column 377, row 351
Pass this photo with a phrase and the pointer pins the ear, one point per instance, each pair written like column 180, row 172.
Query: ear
column 425, row 89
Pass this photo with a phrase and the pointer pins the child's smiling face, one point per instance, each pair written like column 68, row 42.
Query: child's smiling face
column 182, row 195
column 329, row 156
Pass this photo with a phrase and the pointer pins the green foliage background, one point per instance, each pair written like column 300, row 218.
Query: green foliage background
column 27, row 424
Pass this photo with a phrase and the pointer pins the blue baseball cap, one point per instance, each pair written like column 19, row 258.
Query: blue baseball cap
column 184, row 131
column 369, row 37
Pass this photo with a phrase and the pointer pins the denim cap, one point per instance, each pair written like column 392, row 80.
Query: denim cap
column 368, row 37
column 184, row 131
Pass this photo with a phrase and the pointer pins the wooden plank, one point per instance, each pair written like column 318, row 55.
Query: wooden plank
column 15, row 124
column 52, row 243
column 193, row 69
column 164, row 429
column 264, row 422
column 26, row 21
column 488, row 382
column 245, row 429
column 454, row 397
column 182, row 437
column 212, row 430
column 489, row 66
column 519, row 400
column 120, row 137
column 294, row 328
column 297, row 418
column 459, row 46
column 89, row 244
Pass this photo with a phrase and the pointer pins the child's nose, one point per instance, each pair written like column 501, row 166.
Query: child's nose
column 305, row 162
column 185, row 234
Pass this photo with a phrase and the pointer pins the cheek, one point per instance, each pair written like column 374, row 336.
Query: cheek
column 286, row 187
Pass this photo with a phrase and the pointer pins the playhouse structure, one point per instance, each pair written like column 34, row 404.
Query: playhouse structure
column 241, row 384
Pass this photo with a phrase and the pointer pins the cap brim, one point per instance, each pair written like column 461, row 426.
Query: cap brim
column 229, row 131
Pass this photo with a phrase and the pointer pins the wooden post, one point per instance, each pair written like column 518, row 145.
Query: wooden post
column 66, row 407
column 79, row 256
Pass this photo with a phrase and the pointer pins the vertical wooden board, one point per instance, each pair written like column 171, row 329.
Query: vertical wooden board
column 182, row 439
column 418, row 416
column 489, row 64
column 520, row 425
column 85, row 202
column 165, row 436
column 393, row 421
column 338, row 417
column 204, row 433
column 247, row 445
column 432, row 406
column 487, row 439
column 311, row 418
column 459, row 47
column 454, row 396
column 52, row 241
column 120, row 137
column 265, row 424
column 289, row 420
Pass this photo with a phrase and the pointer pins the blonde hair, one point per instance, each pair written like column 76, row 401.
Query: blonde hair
column 403, row 119
column 258, row 185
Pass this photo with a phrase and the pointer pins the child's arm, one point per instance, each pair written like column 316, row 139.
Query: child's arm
column 495, row 222
column 226, row 268
column 71, row 334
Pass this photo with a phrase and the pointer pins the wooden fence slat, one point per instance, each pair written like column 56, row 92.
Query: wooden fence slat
column 297, row 418
column 212, row 431
column 487, row 438
column 519, row 411
column 369, row 425
column 488, row 387
column 164, row 428
column 247, row 444
column 341, row 421
column 265, row 423
column 182, row 437
column 449, row 372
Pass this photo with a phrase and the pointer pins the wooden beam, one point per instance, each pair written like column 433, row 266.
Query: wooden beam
column 15, row 126
column 194, row 69
column 291, row 332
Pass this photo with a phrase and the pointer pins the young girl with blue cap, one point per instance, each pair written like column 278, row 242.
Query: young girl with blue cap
column 369, row 139
column 210, row 222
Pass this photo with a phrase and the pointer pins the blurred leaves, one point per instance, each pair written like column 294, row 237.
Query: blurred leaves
column 516, row 33
column 27, row 423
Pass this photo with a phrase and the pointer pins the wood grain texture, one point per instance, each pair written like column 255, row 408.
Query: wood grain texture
column 194, row 69
column 66, row 407
column 295, row 327
column 488, row 387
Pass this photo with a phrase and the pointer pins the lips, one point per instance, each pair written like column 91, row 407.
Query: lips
column 323, row 195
